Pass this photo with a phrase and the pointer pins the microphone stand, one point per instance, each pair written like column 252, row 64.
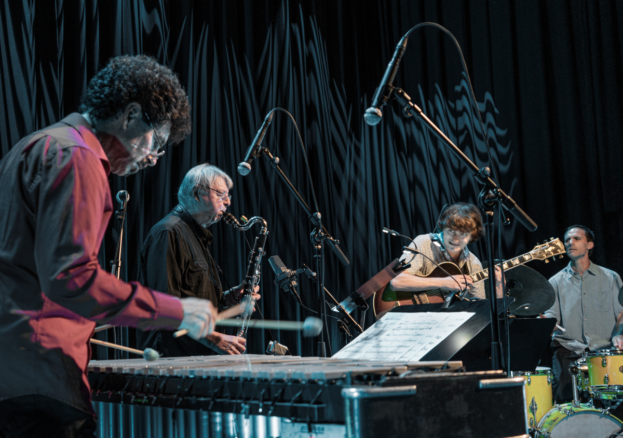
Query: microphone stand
column 319, row 236
column 491, row 196
column 120, row 214
column 122, row 197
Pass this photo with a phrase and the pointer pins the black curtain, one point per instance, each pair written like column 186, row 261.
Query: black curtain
column 547, row 77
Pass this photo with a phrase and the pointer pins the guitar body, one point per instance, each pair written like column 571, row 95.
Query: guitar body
column 386, row 298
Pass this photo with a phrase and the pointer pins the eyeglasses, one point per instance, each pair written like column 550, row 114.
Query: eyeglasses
column 221, row 195
column 451, row 232
column 160, row 149
column 151, row 152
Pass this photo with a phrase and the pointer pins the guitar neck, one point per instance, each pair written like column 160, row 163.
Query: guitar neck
column 508, row 264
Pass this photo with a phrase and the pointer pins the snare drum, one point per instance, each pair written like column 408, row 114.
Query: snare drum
column 568, row 421
column 539, row 397
column 605, row 374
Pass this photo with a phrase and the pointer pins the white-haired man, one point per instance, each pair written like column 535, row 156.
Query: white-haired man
column 176, row 259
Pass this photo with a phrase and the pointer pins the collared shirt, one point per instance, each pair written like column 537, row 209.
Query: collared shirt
column 175, row 258
column 586, row 306
column 55, row 205
column 431, row 245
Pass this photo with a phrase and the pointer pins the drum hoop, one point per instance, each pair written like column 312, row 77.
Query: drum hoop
column 533, row 373
column 564, row 408
column 598, row 353
column 601, row 388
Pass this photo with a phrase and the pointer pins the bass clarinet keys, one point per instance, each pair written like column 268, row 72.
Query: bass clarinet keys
column 253, row 267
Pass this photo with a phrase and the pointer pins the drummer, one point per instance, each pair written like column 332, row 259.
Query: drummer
column 586, row 309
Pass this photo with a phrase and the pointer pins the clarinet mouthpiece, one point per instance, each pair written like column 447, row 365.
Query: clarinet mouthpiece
column 230, row 219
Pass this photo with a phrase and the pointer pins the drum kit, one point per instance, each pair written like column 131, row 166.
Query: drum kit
column 597, row 376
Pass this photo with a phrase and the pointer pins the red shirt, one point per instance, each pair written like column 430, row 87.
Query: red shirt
column 55, row 204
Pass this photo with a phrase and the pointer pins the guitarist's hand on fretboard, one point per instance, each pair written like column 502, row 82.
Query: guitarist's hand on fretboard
column 499, row 288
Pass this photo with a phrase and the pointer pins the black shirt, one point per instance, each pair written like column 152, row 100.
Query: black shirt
column 176, row 259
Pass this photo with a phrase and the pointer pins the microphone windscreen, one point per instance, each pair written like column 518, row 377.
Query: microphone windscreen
column 244, row 168
column 372, row 116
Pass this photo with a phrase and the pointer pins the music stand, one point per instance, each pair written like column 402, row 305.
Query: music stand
column 471, row 343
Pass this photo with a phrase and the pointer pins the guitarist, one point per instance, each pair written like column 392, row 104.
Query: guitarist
column 458, row 225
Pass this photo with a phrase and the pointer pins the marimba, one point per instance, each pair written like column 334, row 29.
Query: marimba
column 289, row 396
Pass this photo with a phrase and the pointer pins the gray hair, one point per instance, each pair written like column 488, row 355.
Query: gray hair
column 202, row 176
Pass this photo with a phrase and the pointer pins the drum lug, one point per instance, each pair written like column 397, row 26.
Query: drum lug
column 529, row 381
column 604, row 362
column 533, row 408
column 549, row 380
column 606, row 380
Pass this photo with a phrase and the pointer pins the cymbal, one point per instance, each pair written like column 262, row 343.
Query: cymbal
column 527, row 286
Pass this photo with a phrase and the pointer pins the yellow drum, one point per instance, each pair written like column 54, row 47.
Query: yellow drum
column 583, row 421
column 605, row 374
column 539, row 397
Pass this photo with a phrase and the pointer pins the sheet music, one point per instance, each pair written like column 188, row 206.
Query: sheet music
column 403, row 336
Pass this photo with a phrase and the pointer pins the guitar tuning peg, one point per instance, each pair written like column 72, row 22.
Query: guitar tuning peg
column 551, row 238
column 561, row 256
column 546, row 260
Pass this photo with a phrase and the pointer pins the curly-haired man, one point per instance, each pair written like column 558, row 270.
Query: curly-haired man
column 458, row 225
column 54, row 209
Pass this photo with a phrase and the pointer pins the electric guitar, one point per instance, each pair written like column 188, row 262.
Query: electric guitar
column 386, row 298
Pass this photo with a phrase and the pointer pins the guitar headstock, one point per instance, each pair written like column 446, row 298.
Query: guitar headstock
column 548, row 249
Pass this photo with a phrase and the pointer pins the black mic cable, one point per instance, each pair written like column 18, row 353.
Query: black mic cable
column 415, row 251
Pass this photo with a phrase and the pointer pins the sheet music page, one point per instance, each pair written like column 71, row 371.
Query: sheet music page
column 403, row 336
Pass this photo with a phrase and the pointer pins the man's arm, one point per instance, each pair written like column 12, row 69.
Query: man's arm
column 413, row 283
column 617, row 338
column 71, row 200
column 554, row 311
column 410, row 281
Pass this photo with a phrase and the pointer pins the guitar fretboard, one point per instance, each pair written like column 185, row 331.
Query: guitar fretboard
column 508, row 264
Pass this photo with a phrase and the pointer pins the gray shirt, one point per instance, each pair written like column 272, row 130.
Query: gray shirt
column 586, row 307
column 432, row 246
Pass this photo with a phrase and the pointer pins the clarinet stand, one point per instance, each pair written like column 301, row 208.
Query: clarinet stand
column 491, row 196
column 318, row 236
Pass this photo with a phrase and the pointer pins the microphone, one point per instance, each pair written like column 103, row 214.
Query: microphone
column 245, row 166
column 286, row 279
column 373, row 115
column 123, row 196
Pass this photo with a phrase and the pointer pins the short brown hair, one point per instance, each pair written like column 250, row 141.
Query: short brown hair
column 462, row 217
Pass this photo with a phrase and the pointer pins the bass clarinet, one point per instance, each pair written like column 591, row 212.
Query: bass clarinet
column 255, row 258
